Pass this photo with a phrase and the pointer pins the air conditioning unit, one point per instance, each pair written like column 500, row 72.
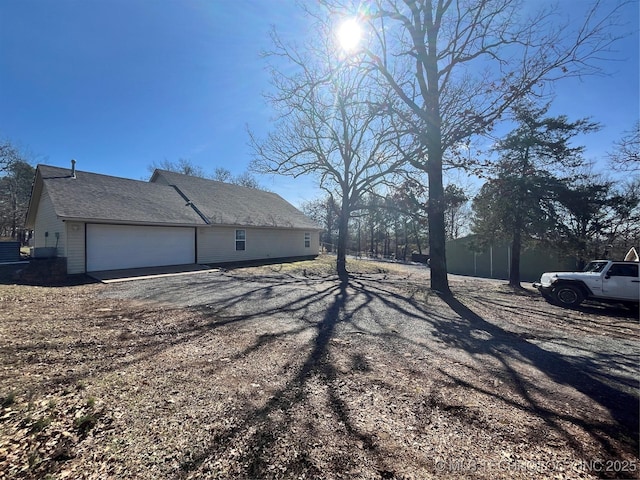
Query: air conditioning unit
column 43, row 252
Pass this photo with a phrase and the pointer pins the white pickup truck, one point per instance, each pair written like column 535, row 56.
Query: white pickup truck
column 602, row 280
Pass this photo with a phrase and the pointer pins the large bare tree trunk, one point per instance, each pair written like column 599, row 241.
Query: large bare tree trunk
column 437, row 230
column 437, row 237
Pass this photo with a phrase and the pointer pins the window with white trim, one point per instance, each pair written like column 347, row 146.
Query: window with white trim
column 241, row 240
column 307, row 240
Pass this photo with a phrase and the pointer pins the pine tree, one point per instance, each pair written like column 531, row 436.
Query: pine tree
column 536, row 160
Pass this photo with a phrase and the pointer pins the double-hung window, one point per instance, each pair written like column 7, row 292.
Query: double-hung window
column 241, row 240
column 307, row 240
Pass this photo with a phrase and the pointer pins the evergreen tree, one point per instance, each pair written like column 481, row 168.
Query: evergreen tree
column 536, row 160
column 598, row 218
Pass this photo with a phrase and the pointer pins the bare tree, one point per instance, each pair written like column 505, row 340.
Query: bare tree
column 626, row 156
column 333, row 125
column 324, row 212
column 220, row 174
column 9, row 155
column 457, row 208
column 457, row 65
column 245, row 179
column 183, row 165
column 16, row 177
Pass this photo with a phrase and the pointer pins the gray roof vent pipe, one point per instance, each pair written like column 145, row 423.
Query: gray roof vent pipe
column 73, row 168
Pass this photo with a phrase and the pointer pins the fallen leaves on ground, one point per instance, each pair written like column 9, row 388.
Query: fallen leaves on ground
column 95, row 387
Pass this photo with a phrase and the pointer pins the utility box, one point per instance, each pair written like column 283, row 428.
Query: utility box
column 43, row 252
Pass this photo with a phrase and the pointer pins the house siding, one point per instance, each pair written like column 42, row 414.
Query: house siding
column 218, row 244
column 48, row 221
column 63, row 210
column 75, row 247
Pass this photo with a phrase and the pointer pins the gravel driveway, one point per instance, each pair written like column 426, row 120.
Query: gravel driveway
column 593, row 350
column 285, row 372
column 373, row 304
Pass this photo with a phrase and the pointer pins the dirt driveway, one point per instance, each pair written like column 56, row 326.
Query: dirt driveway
column 284, row 372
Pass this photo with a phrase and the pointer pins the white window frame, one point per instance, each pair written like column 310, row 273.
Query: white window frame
column 242, row 240
column 307, row 239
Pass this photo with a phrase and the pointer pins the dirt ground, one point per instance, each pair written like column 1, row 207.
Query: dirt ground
column 283, row 371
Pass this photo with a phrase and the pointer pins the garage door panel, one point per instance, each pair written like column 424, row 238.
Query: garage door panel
column 112, row 247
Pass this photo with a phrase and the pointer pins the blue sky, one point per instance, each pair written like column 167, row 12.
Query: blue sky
column 119, row 84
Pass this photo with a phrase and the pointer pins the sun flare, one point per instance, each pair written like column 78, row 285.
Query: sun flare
column 349, row 34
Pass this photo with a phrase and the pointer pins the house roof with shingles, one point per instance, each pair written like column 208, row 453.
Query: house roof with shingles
column 191, row 202
column 103, row 198
column 227, row 204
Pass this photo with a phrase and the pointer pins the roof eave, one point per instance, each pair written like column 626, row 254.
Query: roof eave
column 247, row 225
column 113, row 221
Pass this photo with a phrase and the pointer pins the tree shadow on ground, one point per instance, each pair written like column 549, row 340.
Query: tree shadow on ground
column 359, row 296
column 341, row 318
column 577, row 373
column 317, row 367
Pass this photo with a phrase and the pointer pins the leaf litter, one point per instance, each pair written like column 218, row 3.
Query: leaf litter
column 95, row 387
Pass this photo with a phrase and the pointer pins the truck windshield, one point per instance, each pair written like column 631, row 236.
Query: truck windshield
column 595, row 267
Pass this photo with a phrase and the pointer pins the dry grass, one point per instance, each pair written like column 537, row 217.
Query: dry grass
column 325, row 265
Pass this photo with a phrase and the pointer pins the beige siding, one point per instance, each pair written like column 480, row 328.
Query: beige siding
column 48, row 221
column 218, row 244
column 75, row 247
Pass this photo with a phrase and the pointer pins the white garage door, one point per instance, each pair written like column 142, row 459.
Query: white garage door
column 112, row 247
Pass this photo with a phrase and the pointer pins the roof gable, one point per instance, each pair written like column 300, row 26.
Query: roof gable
column 103, row 198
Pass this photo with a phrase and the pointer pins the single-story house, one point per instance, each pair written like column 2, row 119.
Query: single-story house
column 99, row 222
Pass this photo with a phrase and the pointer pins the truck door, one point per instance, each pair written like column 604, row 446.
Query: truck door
column 622, row 281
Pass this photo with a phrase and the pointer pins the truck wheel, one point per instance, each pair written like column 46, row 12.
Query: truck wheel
column 569, row 296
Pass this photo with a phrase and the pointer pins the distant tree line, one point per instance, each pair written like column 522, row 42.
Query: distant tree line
column 16, row 178
column 539, row 190
column 220, row 174
column 391, row 225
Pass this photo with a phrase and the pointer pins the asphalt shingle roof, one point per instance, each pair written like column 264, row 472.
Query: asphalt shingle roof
column 103, row 198
column 227, row 204
column 98, row 197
